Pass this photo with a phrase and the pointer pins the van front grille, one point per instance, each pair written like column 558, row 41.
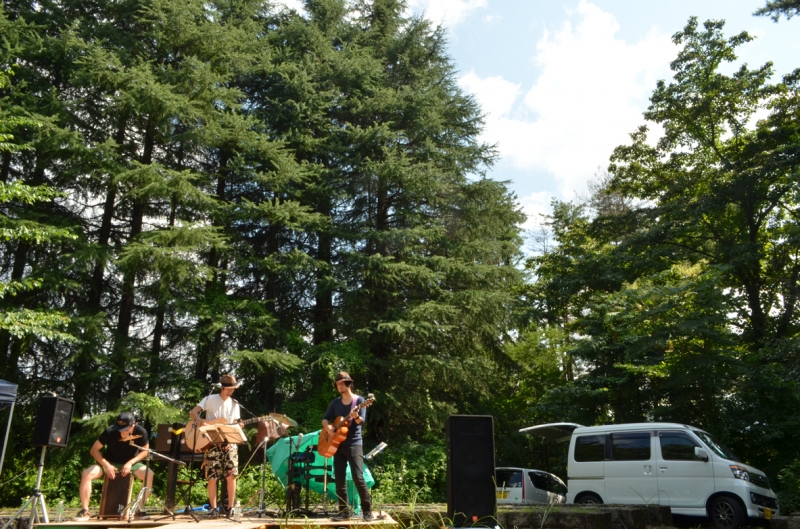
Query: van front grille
column 759, row 480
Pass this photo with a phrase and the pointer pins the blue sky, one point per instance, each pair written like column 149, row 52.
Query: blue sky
column 564, row 82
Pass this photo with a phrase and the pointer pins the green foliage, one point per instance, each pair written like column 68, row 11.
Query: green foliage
column 789, row 488
column 775, row 8
column 670, row 285
column 411, row 472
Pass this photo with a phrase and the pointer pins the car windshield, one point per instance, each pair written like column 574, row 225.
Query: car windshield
column 720, row 449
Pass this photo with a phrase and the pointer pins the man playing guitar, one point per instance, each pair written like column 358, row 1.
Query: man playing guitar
column 220, row 460
column 350, row 449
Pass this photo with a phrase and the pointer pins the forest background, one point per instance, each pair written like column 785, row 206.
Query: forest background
column 193, row 188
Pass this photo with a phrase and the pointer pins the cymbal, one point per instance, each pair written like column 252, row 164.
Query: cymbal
column 283, row 419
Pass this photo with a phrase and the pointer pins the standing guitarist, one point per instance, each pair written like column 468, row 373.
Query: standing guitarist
column 350, row 449
column 220, row 460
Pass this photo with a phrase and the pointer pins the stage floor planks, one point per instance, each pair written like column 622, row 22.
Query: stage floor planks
column 186, row 522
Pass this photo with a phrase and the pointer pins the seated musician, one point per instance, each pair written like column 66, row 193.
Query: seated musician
column 119, row 457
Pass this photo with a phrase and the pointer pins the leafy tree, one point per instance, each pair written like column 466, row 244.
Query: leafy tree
column 721, row 192
column 776, row 8
column 15, row 318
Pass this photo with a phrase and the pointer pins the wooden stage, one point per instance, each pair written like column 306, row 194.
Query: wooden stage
column 183, row 521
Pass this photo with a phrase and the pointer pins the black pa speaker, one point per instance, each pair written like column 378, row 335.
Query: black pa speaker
column 471, row 491
column 53, row 418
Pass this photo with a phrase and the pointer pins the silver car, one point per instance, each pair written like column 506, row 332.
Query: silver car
column 526, row 485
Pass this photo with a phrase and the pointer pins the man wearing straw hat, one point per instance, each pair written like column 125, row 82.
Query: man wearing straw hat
column 220, row 460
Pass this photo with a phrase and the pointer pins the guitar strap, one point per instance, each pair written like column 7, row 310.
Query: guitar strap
column 353, row 405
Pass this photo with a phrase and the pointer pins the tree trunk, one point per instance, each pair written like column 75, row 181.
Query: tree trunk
column 84, row 370
column 323, row 308
column 10, row 347
column 120, row 353
column 207, row 359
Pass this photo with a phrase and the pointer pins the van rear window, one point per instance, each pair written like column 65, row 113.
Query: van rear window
column 630, row 446
column 590, row 448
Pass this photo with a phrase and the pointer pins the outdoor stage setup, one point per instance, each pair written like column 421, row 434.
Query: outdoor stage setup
column 302, row 464
column 294, row 461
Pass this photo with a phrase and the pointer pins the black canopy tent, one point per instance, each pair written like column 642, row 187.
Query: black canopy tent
column 8, row 397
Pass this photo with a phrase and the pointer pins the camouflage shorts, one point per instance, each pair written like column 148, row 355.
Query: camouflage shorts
column 221, row 460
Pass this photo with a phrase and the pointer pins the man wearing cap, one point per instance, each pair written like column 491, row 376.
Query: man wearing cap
column 220, row 460
column 351, row 449
column 120, row 456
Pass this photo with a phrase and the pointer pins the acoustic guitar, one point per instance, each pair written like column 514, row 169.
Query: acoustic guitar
column 328, row 442
column 200, row 442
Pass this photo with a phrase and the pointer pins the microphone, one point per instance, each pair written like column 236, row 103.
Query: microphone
column 375, row 451
column 299, row 439
column 216, row 385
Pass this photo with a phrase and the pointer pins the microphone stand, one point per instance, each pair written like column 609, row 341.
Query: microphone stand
column 292, row 492
column 136, row 502
column 186, row 494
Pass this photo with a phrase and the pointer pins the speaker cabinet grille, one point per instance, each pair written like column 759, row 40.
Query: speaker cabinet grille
column 53, row 418
column 471, row 491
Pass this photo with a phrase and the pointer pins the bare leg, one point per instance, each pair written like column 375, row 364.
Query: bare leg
column 85, row 487
column 212, row 494
column 231, row 480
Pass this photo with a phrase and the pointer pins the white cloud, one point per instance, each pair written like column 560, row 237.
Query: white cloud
column 536, row 207
column 297, row 5
column 446, row 12
column 589, row 95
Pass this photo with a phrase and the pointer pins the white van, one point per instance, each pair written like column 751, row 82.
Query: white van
column 661, row 463
column 516, row 486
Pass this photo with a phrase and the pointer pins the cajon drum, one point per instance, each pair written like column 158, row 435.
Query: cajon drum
column 116, row 495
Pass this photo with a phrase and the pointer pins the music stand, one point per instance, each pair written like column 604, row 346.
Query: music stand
column 273, row 430
column 224, row 433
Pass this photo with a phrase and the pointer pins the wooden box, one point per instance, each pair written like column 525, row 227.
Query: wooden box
column 116, row 496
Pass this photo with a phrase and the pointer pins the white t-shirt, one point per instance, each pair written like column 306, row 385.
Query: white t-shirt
column 217, row 408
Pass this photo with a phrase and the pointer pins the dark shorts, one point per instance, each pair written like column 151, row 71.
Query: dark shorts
column 118, row 466
column 221, row 460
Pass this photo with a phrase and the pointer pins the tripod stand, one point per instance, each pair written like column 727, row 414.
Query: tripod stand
column 193, row 478
column 262, row 492
column 36, row 499
column 139, row 500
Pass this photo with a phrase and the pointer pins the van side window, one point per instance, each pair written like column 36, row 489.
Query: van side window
column 630, row 446
column 590, row 448
column 539, row 480
column 677, row 447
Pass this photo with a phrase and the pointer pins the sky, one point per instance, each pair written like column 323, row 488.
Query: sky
column 563, row 82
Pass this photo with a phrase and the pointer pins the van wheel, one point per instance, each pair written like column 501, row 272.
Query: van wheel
column 726, row 513
column 589, row 498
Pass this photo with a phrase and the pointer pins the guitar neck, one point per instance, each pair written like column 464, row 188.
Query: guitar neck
column 254, row 419
column 358, row 408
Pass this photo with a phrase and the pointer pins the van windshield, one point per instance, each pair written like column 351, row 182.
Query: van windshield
column 720, row 449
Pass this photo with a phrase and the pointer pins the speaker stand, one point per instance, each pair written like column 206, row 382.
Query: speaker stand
column 36, row 500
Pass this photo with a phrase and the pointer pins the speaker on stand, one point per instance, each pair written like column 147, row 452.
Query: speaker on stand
column 53, row 418
column 471, row 490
